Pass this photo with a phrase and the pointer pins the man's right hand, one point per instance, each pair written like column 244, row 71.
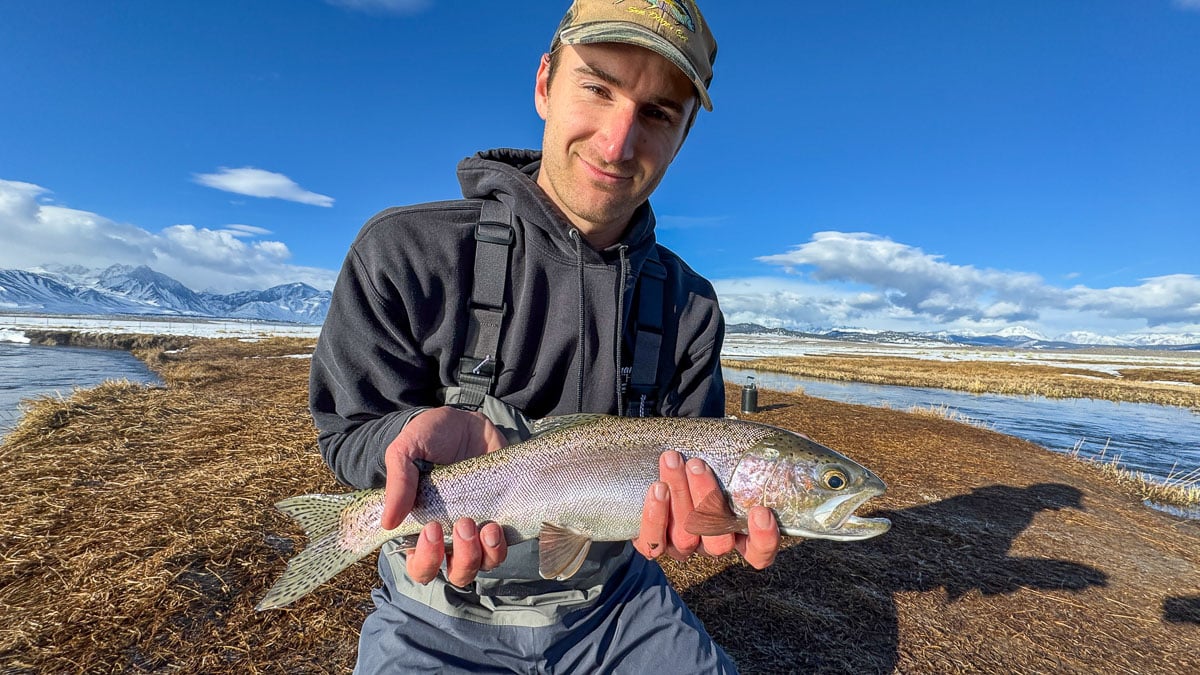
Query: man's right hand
column 441, row 436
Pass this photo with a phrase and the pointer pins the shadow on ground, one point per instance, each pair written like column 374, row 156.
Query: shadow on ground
column 1182, row 610
column 830, row 607
column 773, row 406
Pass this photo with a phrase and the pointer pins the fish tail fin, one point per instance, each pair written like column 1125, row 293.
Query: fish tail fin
column 330, row 549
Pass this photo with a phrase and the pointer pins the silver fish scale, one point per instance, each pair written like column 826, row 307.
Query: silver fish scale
column 591, row 476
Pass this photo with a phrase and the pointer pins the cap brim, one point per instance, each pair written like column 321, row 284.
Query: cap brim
column 631, row 33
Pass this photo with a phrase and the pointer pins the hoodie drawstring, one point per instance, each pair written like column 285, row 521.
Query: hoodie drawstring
column 582, row 347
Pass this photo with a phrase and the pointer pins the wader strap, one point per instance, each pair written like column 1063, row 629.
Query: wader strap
column 493, row 242
column 643, row 393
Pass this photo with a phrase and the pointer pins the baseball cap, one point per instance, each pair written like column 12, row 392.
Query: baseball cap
column 672, row 28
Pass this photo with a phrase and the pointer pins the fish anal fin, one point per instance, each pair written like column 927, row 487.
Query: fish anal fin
column 713, row 517
column 561, row 551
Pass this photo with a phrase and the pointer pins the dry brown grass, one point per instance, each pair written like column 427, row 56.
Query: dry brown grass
column 1134, row 385
column 947, row 413
column 141, row 526
column 1161, row 375
column 139, row 534
column 1180, row 489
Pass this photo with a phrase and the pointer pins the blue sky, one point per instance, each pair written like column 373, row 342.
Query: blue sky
column 944, row 164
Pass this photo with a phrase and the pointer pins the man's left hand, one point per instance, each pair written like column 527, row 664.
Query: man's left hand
column 670, row 501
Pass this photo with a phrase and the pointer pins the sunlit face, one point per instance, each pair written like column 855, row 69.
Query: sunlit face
column 615, row 116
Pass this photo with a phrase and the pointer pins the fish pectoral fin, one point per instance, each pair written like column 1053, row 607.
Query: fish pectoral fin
column 561, row 551
column 713, row 517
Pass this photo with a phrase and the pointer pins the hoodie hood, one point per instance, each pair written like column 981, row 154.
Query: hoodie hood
column 510, row 176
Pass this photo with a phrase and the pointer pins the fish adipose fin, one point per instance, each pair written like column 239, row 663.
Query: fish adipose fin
column 327, row 552
column 713, row 517
column 561, row 551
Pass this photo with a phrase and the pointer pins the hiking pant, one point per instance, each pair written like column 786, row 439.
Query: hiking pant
column 638, row 624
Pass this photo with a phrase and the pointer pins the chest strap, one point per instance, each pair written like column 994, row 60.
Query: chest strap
column 479, row 365
column 643, row 394
column 477, row 369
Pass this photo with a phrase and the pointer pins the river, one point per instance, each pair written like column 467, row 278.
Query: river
column 1158, row 440
column 28, row 371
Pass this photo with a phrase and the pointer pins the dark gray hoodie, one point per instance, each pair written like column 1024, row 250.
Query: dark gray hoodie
column 396, row 327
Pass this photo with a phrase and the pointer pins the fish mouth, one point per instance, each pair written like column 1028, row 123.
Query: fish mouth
column 835, row 519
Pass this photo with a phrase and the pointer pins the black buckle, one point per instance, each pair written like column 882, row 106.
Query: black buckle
column 485, row 368
column 494, row 233
column 642, row 403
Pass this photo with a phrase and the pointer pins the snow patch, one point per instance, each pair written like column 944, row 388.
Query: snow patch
column 13, row 336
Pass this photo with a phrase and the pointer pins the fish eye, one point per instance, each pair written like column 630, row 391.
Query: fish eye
column 834, row 479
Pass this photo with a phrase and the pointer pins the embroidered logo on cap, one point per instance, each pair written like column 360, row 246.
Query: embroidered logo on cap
column 678, row 11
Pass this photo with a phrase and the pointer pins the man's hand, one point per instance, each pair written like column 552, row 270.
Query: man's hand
column 442, row 436
column 671, row 500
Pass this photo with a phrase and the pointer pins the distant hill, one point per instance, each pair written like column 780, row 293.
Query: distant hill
column 1011, row 338
column 123, row 289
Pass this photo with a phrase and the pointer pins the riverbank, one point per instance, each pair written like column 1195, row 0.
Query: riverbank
column 1123, row 381
column 141, row 534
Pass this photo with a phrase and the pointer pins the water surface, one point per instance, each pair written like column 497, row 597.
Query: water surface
column 27, row 371
column 1158, row 440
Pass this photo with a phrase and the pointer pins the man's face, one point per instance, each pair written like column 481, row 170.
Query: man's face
column 615, row 116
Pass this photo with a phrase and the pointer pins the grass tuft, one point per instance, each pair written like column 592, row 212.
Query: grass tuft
column 1178, row 489
column 946, row 412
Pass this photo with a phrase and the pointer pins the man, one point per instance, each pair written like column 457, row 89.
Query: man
column 583, row 300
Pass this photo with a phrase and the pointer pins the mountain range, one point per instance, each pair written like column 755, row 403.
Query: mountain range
column 1015, row 337
column 123, row 289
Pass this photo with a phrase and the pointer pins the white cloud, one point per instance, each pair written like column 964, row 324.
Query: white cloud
column 259, row 183
column 247, row 230
column 917, row 281
column 870, row 281
column 1171, row 299
column 382, row 6
column 226, row 259
column 1193, row 5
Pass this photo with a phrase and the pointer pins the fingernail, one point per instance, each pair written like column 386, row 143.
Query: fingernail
column 490, row 538
column 762, row 518
column 434, row 534
column 696, row 466
column 464, row 531
column 660, row 491
column 672, row 460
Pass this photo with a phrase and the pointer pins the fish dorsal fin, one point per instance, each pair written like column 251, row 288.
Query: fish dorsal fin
column 557, row 422
column 561, row 551
column 713, row 517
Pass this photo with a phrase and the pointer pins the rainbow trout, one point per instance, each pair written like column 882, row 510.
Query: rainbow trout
column 583, row 478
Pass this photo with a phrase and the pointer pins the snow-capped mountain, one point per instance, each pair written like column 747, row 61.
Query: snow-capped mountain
column 289, row 302
column 23, row 291
column 122, row 289
column 1021, row 333
column 144, row 285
